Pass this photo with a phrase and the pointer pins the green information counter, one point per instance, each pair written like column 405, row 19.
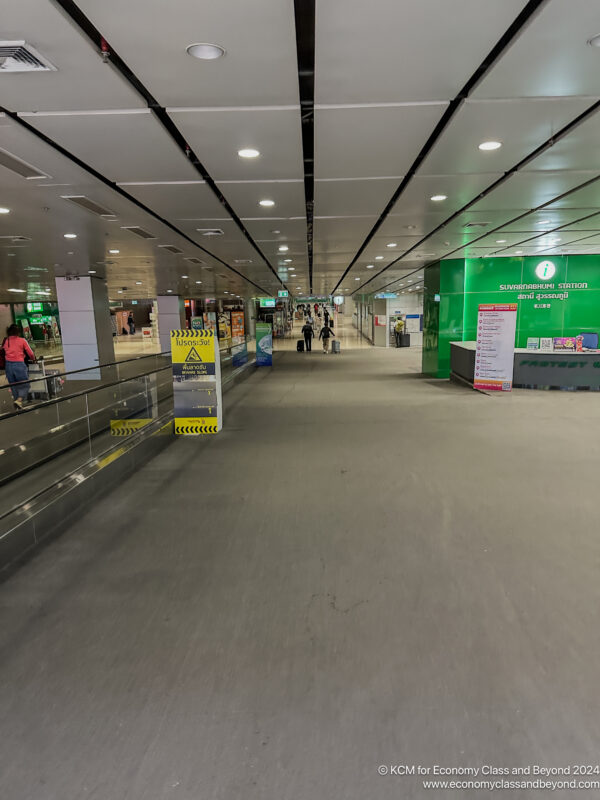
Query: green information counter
column 535, row 369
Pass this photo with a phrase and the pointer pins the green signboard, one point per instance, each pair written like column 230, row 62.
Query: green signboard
column 283, row 293
column 556, row 296
column 267, row 302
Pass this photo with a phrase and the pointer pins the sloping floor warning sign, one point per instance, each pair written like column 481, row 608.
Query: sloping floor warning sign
column 196, row 382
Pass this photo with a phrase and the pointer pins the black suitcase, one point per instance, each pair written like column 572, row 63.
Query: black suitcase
column 300, row 345
column 405, row 340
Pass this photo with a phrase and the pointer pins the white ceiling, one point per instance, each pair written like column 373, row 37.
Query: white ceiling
column 385, row 73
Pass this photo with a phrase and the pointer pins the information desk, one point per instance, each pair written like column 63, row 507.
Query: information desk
column 535, row 369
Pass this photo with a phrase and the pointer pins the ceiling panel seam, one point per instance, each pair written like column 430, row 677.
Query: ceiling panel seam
column 522, row 19
column 72, row 10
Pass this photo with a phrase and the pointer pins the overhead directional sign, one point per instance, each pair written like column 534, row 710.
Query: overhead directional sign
column 283, row 293
column 196, row 382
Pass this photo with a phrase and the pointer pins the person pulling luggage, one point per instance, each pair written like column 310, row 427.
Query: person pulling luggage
column 308, row 333
column 325, row 333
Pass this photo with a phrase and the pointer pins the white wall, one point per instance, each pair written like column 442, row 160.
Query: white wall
column 409, row 303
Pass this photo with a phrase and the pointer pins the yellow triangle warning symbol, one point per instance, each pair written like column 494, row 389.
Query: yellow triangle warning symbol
column 193, row 355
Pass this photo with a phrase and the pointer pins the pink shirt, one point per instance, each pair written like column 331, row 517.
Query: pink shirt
column 15, row 348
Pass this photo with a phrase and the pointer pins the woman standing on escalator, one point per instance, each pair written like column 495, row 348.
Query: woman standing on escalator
column 16, row 351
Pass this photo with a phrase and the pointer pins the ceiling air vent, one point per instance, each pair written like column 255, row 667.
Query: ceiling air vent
column 242, row 260
column 22, row 57
column 139, row 232
column 210, row 231
column 194, row 260
column 22, row 168
column 16, row 238
column 171, row 248
column 89, row 205
column 471, row 225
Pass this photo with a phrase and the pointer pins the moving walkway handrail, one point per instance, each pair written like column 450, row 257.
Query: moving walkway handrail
column 82, row 393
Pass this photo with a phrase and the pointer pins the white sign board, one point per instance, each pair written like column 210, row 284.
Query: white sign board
column 494, row 356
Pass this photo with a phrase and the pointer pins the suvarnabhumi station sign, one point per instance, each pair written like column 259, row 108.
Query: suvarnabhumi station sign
column 524, row 287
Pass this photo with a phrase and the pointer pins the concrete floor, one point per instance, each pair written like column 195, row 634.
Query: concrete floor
column 366, row 567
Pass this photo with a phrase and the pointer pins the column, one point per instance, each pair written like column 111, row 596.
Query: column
column 86, row 329
column 171, row 317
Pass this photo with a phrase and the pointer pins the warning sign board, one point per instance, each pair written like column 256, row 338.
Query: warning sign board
column 193, row 353
column 196, row 382
column 126, row 427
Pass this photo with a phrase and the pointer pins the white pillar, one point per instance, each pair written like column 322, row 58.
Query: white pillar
column 171, row 317
column 86, row 330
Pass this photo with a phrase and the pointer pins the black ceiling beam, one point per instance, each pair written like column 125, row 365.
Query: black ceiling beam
column 499, row 48
column 105, row 49
column 304, row 11
column 504, row 224
column 564, row 131
column 119, row 190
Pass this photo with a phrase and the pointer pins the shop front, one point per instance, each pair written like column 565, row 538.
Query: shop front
column 557, row 302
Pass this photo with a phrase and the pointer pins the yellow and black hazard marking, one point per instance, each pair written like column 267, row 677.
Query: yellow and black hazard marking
column 196, row 425
column 193, row 333
column 125, row 427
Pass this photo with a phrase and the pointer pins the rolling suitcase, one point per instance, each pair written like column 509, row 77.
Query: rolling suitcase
column 335, row 346
column 300, row 345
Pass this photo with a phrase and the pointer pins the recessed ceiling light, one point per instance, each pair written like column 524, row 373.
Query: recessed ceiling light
column 594, row 41
column 11, row 254
column 298, row 287
column 283, row 248
column 138, row 283
column 4, row 210
column 205, row 52
column 185, row 276
column 401, row 284
column 500, row 241
column 114, row 252
column 378, row 258
column 275, row 231
column 409, row 281
column 198, row 281
column 266, row 203
column 91, row 271
column 169, row 291
column 437, row 198
column 248, row 152
column 356, row 279
column 518, row 251
column 20, row 291
column 490, row 145
column 370, row 266
column 70, row 235
column 391, row 244
column 287, row 260
column 544, row 222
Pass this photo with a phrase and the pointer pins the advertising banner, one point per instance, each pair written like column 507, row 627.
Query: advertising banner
column 196, row 382
column 224, row 325
column 210, row 320
column 197, row 323
column 237, row 326
column 494, row 355
column 264, row 345
column 564, row 343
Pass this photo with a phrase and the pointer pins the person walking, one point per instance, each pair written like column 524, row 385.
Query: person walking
column 398, row 328
column 308, row 333
column 325, row 333
column 310, row 321
column 16, row 349
column 131, row 323
column 326, row 316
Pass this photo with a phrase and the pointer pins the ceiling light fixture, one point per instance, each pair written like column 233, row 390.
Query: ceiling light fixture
column 198, row 281
column 248, row 152
column 185, row 276
column 91, row 271
column 544, row 222
column 266, row 203
column 490, row 145
column 370, row 266
column 437, row 198
column 70, row 235
column 378, row 258
column 391, row 244
column 170, row 291
column 114, row 252
column 283, row 248
column 500, row 241
column 205, row 52
column 20, row 291
column 138, row 283
column 4, row 210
